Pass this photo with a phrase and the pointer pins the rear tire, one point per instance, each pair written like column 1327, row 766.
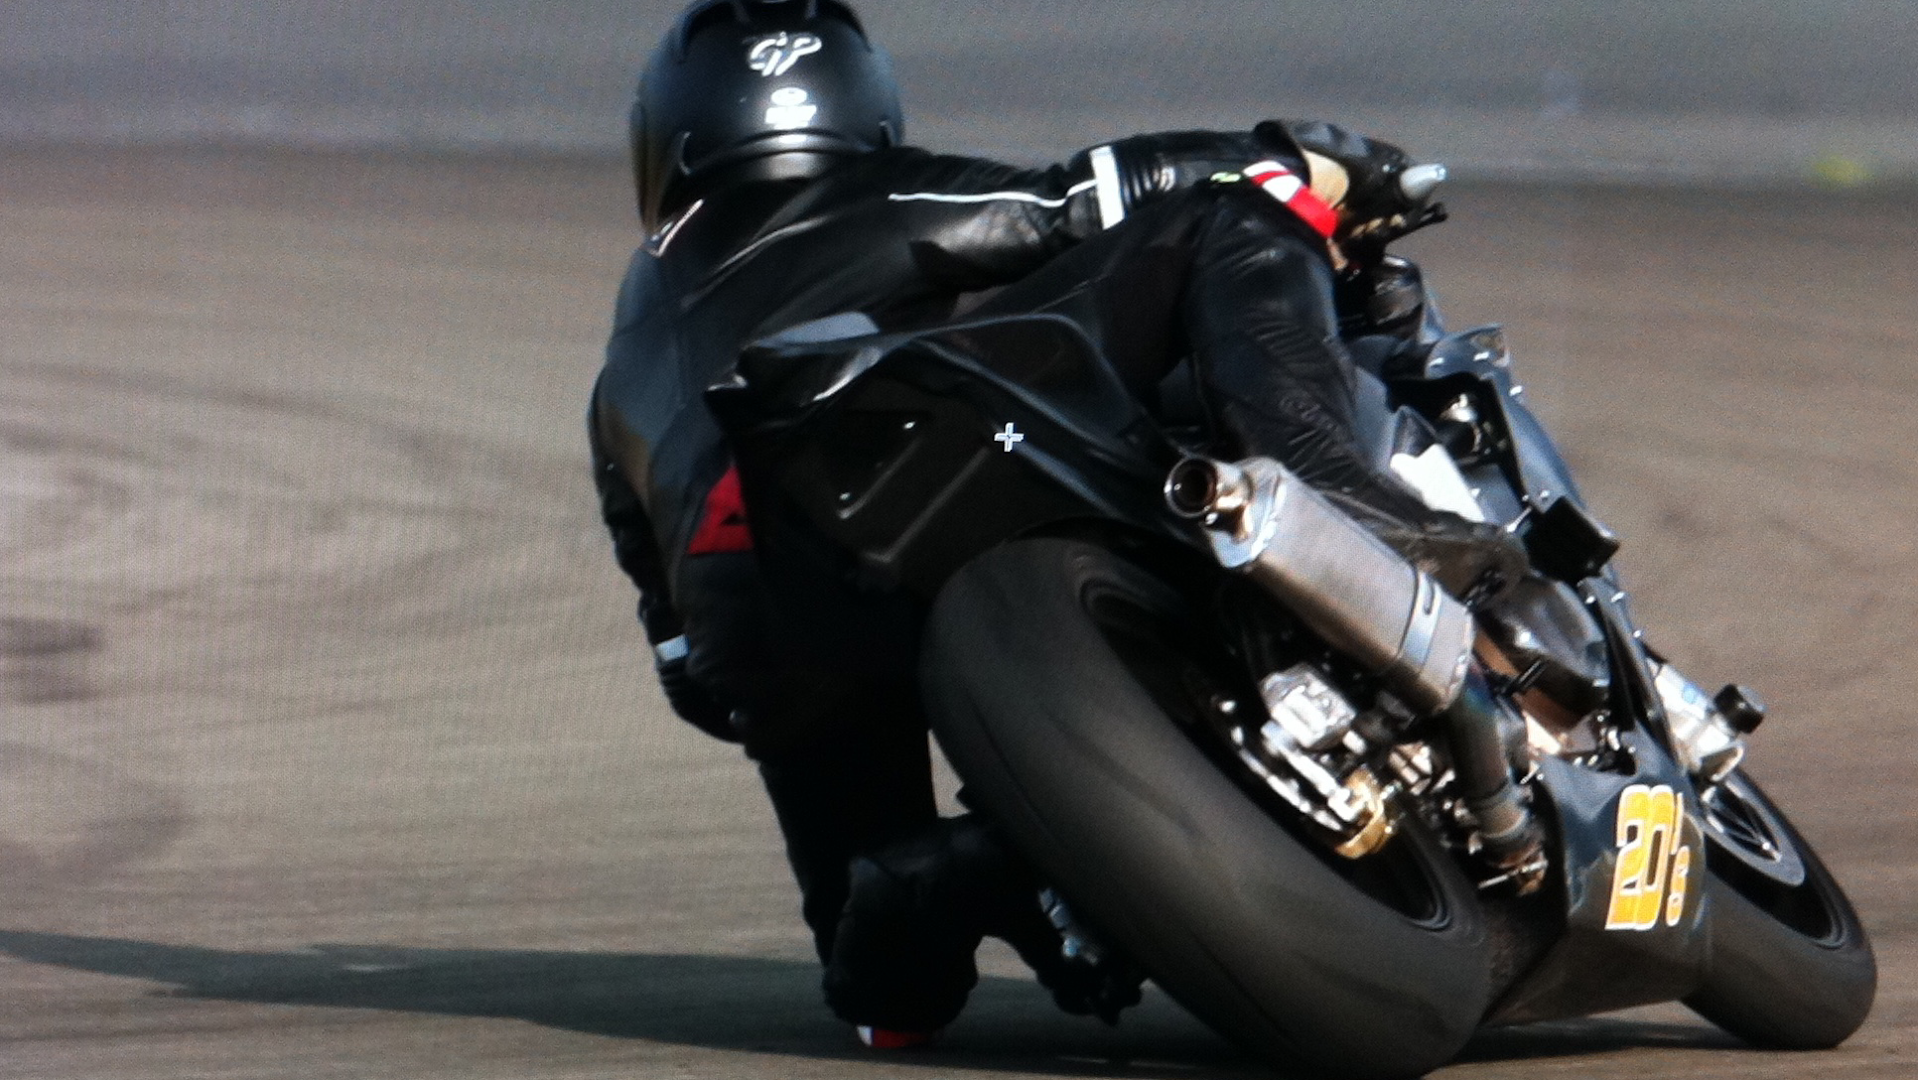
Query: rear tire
column 1058, row 722
column 1792, row 968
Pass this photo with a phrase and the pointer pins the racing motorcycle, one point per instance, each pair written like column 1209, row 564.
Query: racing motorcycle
column 1212, row 708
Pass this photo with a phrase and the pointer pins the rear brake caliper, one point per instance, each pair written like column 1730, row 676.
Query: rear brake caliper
column 1308, row 753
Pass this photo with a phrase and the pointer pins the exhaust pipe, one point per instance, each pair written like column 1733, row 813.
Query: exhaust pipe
column 1366, row 601
column 1352, row 590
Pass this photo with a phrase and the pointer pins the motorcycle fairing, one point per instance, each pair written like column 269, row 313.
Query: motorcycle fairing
column 1592, row 968
column 1537, row 471
column 1563, row 537
column 1594, row 965
column 885, row 445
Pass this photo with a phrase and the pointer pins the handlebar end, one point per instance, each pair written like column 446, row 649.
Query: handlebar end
column 1418, row 182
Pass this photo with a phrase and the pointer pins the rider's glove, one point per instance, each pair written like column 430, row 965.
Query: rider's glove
column 1359, row 176
column 688, row 697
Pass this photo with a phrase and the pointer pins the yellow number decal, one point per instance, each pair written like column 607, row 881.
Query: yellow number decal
column 1628, row 880
column 1675, row 903
column 1653, row 863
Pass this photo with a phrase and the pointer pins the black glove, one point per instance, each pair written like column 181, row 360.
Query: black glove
column 1372, row 167
column 688, row 697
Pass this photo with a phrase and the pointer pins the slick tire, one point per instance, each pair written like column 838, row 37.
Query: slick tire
column 1792, row 968
column 1057, row 735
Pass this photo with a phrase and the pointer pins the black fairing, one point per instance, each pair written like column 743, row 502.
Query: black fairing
column 1525, row 480
column 1544, row 625
column 885, row 447
column 1592, row 968
column 1476, row 362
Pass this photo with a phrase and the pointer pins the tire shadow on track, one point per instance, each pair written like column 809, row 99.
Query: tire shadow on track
column 1591, row 1035
column 736, row 1003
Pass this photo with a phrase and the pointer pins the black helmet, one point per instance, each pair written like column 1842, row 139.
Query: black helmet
column 765, row 89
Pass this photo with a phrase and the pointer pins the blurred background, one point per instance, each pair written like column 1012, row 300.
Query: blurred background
column 328, row 744
column 1690, row 90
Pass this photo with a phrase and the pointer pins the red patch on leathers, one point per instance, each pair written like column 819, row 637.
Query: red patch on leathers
column 723, row 528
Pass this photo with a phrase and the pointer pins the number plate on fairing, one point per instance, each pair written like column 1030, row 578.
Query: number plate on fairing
column 1652, row 881
column 1630, row 868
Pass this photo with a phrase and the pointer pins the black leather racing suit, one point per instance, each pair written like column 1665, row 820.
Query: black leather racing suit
column 1190, row 263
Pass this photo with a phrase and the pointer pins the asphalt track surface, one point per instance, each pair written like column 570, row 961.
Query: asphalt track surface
column 325, row 745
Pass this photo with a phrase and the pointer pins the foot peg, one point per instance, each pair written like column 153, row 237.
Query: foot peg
column 1086, row 978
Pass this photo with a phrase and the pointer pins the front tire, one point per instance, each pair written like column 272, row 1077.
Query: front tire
column 1057, row 719
column 1792, row 968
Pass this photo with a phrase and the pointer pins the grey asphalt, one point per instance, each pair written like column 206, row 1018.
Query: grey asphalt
column 326, row 749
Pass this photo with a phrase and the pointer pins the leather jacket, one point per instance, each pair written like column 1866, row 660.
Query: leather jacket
column 897, row 235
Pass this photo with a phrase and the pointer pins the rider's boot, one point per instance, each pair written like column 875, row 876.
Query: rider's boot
column 902, row 958
column 859, row 790
column 1011, row 906
column 1472, row 560
column 902, row 954
column 880, row 1038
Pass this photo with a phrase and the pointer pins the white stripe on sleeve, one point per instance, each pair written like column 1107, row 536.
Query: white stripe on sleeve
column 1105, row 175
column 991, row 196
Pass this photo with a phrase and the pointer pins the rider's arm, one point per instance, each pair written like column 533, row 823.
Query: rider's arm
column 980, row 223
column 1353, row 172
column 634, row 546
column 636, row 549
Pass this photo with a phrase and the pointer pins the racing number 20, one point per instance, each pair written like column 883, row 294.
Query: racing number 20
column 1653, row 865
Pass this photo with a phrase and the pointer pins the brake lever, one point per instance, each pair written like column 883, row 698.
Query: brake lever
column 1366, row 243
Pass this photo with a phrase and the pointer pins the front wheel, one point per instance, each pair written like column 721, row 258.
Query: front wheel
column 1060, row 679
column 1791, row 965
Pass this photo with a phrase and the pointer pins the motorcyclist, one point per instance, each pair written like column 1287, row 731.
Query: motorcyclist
column 775, row 189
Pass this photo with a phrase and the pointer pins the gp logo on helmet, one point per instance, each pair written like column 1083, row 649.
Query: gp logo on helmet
column 777, row 54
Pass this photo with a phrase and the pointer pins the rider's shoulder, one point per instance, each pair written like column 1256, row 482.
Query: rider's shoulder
column 912, row 174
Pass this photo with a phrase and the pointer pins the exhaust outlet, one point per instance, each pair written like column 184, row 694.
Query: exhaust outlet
column 1345, row 584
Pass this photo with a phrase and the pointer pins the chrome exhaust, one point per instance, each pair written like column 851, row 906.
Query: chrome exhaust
column 1348, row 587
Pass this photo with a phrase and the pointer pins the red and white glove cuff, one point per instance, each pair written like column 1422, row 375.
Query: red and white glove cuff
column 1284, row 185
